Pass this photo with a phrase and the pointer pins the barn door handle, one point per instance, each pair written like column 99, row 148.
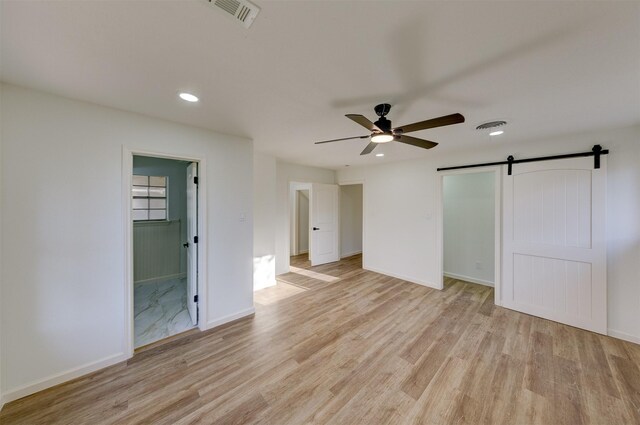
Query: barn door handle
column 316, row 228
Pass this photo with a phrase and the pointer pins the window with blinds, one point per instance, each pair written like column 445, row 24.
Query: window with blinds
column 149, row 198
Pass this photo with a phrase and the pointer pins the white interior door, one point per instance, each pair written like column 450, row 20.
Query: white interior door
column 324, row 236
column 192, row 245
column 554, row 249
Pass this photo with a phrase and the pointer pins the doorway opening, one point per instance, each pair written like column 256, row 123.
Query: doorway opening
column 350, row 220
column 164, row 211
column 300, row 224
column 471, row 230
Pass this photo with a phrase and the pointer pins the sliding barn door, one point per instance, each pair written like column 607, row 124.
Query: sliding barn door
column 554, row 248
column 324, row 238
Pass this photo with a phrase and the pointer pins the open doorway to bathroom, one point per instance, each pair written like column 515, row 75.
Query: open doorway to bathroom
column 164, row 213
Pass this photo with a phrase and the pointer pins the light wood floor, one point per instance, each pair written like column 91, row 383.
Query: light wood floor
column 365, row 349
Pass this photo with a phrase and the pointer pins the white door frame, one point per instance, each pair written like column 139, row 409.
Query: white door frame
column 127, row 224
column 497, row 174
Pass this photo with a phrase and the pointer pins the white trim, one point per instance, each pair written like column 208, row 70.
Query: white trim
column 349, row 254
column 127, row 223
column 230, row 318
column 62, row 377
column 497, row 170
column 623, row 335
column 408, row 279
column 306, row 251
column 469, row 279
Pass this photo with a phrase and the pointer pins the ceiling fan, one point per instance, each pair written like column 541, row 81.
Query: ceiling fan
column 382, row 132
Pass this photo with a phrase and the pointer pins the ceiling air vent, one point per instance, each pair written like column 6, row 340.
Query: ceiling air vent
column 242, row 11
column 491, row 125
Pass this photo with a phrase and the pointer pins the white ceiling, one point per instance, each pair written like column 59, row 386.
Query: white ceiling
column 548, row 68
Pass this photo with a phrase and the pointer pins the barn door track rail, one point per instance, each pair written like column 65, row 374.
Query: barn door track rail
column 595, row 152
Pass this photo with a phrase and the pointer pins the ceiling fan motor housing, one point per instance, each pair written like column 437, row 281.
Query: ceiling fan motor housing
column 383, row 124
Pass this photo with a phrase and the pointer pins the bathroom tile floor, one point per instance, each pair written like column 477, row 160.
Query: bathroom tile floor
column 160, row 310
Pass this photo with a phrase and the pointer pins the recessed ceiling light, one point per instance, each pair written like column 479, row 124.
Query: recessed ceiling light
column 188, row 97
column 496, row 133
column 379, row 154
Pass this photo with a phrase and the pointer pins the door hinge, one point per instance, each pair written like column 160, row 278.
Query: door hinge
column 195, row 180
column 195, row 298
column 195, row 239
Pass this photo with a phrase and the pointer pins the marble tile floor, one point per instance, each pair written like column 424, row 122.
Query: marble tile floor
column 160, row 310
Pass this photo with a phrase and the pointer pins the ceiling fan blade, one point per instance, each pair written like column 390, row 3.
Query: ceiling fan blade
column 434, row 122
column 363, row 121
column 345, row 138
column 370, row 147
column 414, row 141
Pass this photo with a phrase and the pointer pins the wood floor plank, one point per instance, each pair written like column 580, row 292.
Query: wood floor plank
column 343, row 345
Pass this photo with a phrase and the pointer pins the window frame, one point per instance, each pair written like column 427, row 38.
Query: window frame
column 149, row 198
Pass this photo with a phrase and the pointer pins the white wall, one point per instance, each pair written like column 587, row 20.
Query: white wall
column 286, row 173
column 303, row 221
column 264, row 220
column 1, row 238
column 63, row 293
column 402, row 214
column 469, row 221
column 350, row 219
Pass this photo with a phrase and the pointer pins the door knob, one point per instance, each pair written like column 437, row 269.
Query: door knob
column 316, row 228
column 186, row 245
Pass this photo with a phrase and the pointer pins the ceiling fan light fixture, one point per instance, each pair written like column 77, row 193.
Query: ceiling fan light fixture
column 382, row 138
column 188, row 97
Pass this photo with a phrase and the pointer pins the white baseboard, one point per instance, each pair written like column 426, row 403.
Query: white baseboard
column 62, row 377
column 349, row 254
column 469, row 279
column 230, row 318
column 623, row 335
column 408, row 279
column 306, row 251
